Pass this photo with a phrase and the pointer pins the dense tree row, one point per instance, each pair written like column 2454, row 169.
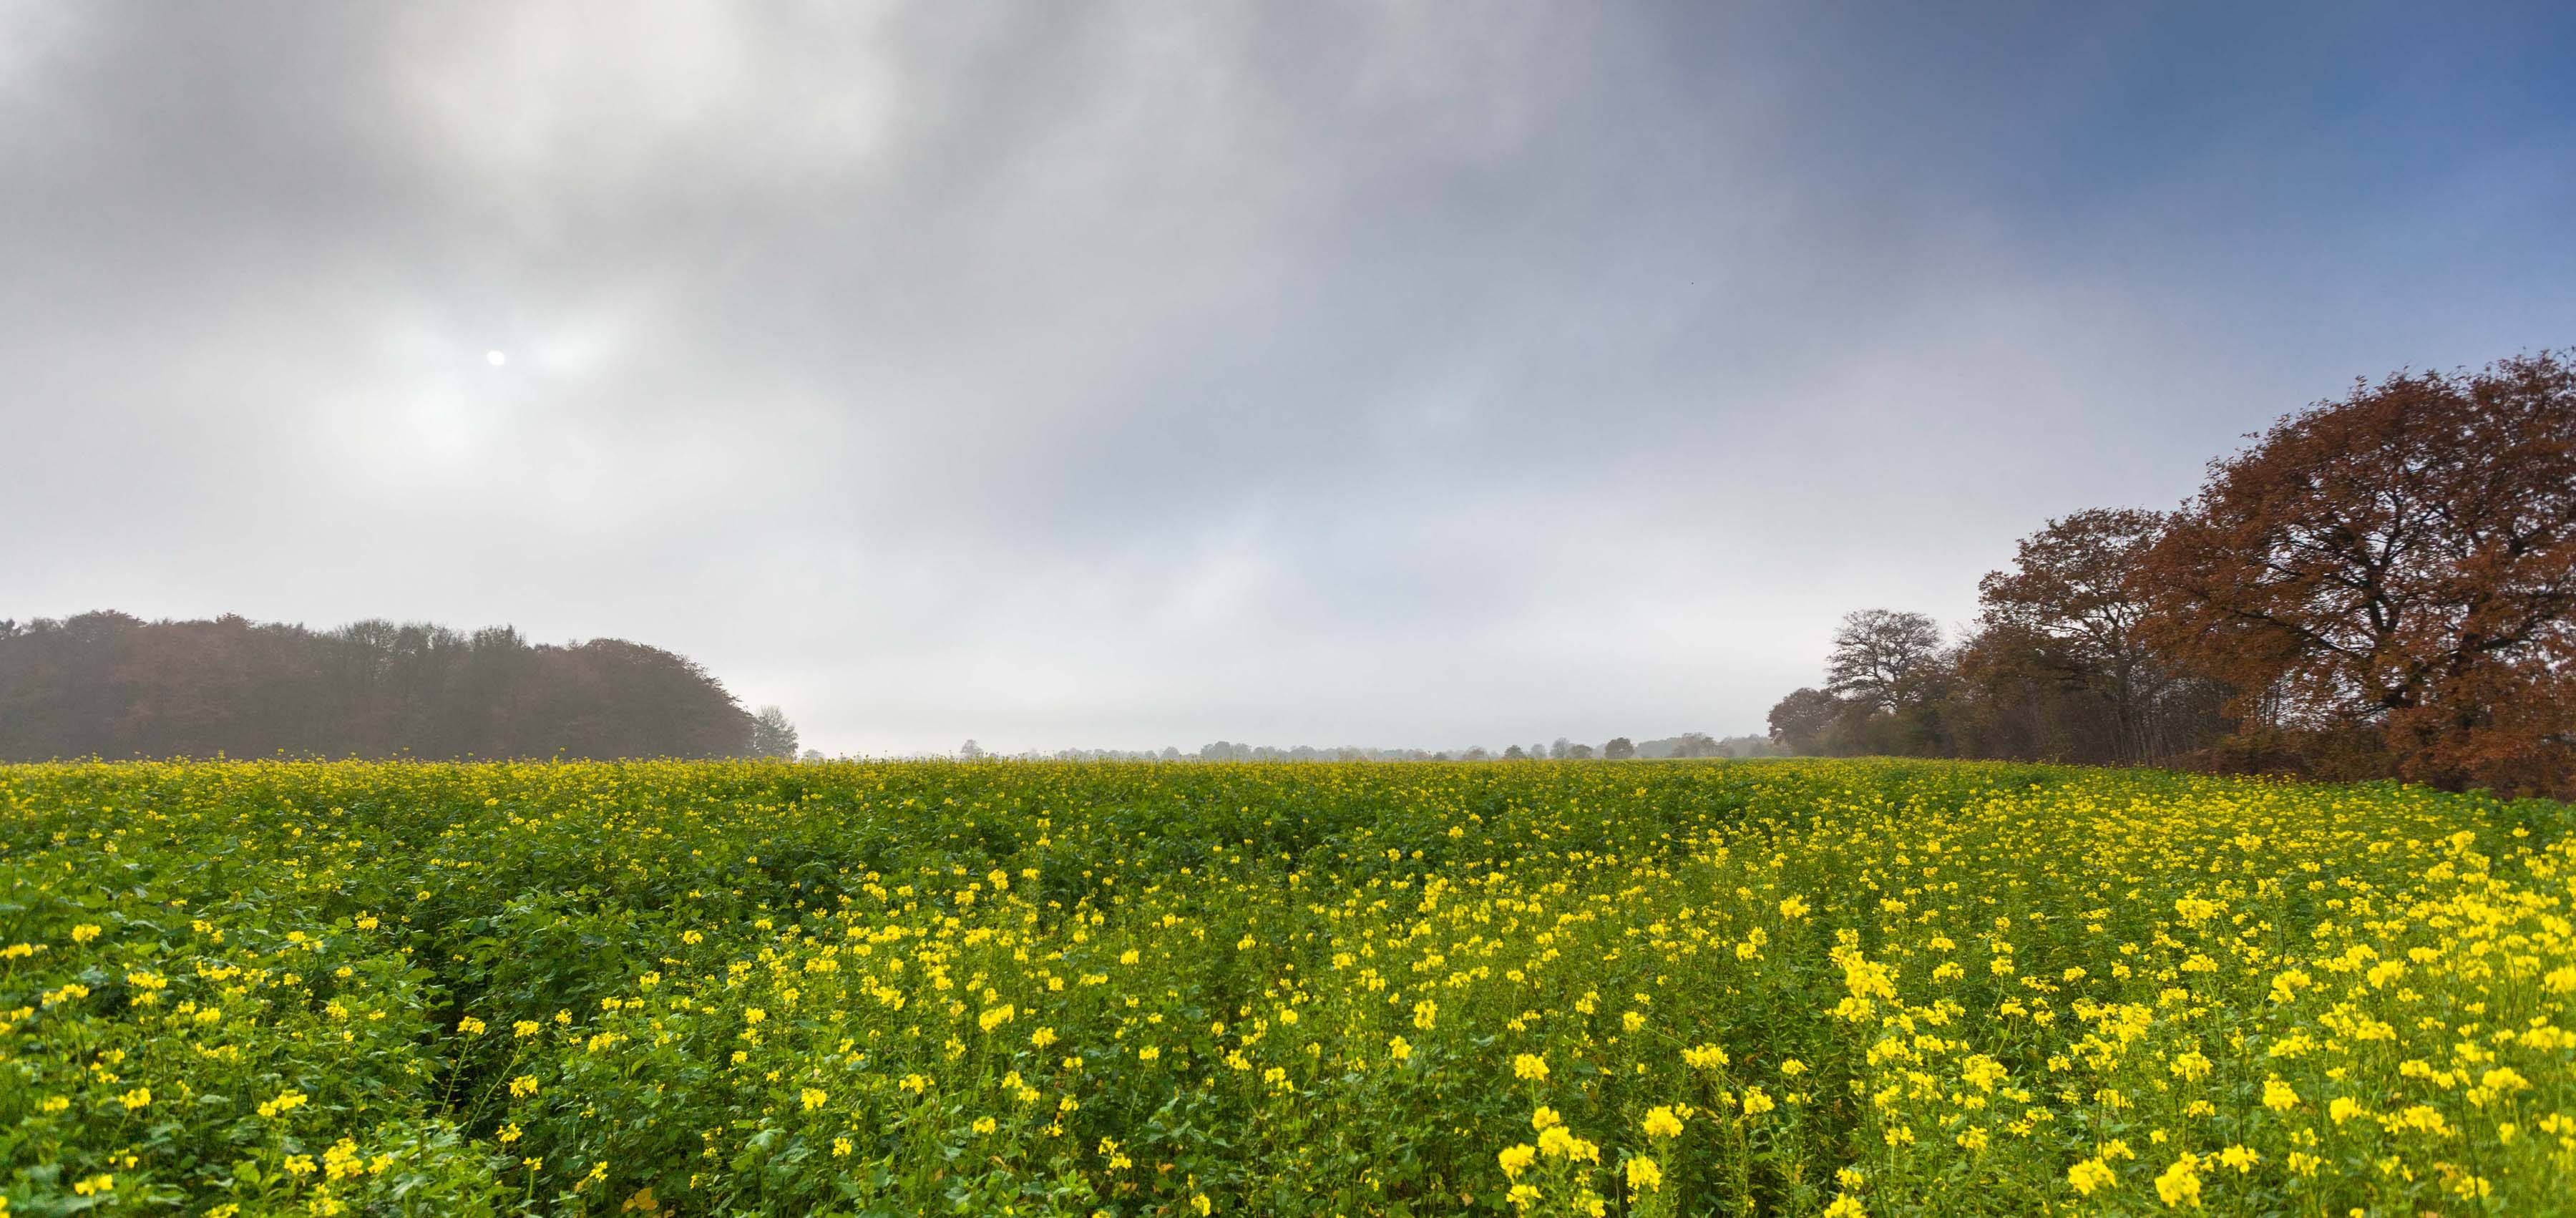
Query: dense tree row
column 111, row 685
column 1687, row 744
column 2383, row 585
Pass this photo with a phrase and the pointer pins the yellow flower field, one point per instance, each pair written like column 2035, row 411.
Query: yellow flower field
column 1534, row 987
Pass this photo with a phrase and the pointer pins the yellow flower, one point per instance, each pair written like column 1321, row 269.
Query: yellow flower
column 1398, row 1049
column 1425, row 1013
column 137, row 1098
column 470, row 1026
column 1793, row 908
column 2240, row 1158
column 2091, row 1175
column 1662, row 1123
column 83, row 933
column 1545, row 1118
column 1846, row 1206
column 2179, row 1186
column 2279, row 1096
column 814, row 1098
column 1529, row 1066
column 1643, row 1175
column 524, row 1085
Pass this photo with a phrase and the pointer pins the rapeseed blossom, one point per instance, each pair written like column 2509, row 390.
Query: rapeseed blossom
column 914, row 986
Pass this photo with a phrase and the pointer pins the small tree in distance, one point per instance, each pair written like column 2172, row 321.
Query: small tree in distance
column 772, row 735
column 1620, row 748
column 1877, row 652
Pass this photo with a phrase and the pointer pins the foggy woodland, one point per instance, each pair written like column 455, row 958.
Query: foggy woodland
column 110, row 685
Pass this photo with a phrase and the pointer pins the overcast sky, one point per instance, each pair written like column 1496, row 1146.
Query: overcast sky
column 1131, row 375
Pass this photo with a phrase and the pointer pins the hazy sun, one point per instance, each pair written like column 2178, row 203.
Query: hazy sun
column 496, row 358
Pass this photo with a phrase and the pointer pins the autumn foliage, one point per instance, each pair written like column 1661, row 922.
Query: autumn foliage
column 110, row 685
column 2388, row 580
column 2380, row 585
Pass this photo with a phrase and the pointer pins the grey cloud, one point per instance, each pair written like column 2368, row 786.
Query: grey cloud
column 1142, row 374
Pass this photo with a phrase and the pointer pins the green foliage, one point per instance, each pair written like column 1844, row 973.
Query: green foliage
column 1657, row 988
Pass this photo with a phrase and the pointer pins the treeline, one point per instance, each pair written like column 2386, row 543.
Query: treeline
column 2379, row 586
column 111, row 685
column 1617, row 748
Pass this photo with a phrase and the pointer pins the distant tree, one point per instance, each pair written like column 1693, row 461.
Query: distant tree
column 811, row 755
column 1695, row 744
column 970, row 751
column 1800, row 722
column 2395, row 571
column 1620, row 748
column 1877, row 651
column 772, row 735
column 113, row 685
column 1476, row 753
column 1579, row 752
column 1557, row 750
column 1515, row 753
column 2064, row 632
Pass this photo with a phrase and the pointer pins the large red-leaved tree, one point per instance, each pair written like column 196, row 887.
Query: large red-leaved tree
column 2390, row 579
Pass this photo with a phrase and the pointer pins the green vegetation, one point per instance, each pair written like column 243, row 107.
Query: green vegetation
column 1539, row 987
